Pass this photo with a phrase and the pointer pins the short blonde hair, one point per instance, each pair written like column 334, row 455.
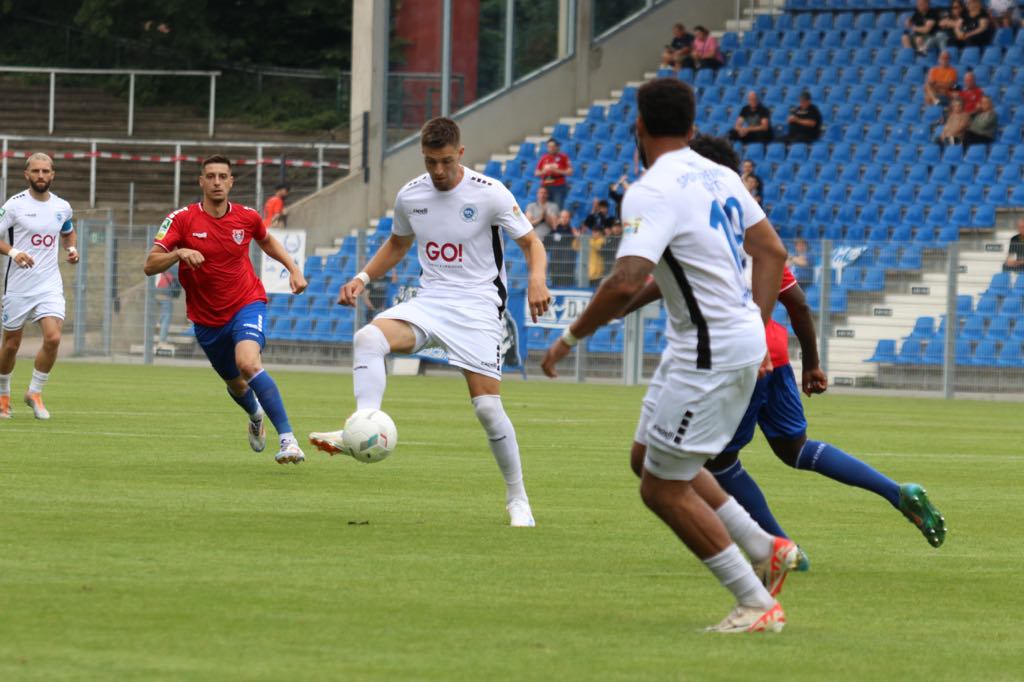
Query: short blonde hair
column 39, row 156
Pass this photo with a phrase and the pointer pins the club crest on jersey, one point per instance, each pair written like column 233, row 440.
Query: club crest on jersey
column 2, row 212
column 164, row 226
column 631, row 226
column 238, row 235
column 468, row 213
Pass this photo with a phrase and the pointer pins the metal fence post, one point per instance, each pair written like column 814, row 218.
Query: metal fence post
column 177, row 175
column 952, row 323
column 632, row 348
column 3, row 170
column 582, row 262
column 131, row 209
column 108, row 286
column 213, row 100
column 53, row 97
column 147, row 312
column 258, row 201
column 131, row 104
column 81, row 278
column 319, row 168
column 359, row 319
column 824, row 325
column 92, row 175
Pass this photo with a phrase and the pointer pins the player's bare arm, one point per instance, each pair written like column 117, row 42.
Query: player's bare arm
column 762, row 242
column 649, row 294
column 387, row 257
column 626, row 280
column 22, row 259
column 537, row 295
column 273, row 248
column 69, row 241
column 795, row 302
column 160, row 260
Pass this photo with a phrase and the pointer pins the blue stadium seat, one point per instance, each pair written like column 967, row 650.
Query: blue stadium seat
column 934, row 352
column 1012, row 305
column 910, row 258
column 988, row 303
column 999, row 327
column 910, row 352
column 1010, row 355
column 986, row 354
column 874, row 279
column 984, row 216
column 903, row 232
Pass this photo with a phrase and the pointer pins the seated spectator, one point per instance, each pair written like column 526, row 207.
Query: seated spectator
column 975, row 28
column 616, row 191
column 681, row 46
column 940, row 81
column 561, row 264
column 948, row 24
column 984, row 126
column 1004, row 13
column 598, row 220
column 804, row 121
column 922, row 28
column 754, row 123
column 957, row 121
column 553, row 168
column 750, row 180
column 970, row 94
column 543, row 213
column 801, row 263
column 705, row 53
column 1015, row 255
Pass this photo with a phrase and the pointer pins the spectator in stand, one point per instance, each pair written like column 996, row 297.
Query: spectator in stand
column 678, row 51
column 543, row 213
column 804, row 121
column 751, row 180
column 273, row 210
column 970, row 93
column 754, row 123
column 1015, row 255
column 975, row 28
column 558, row 245
column 595, row 259
column 802, row 263
column 940, row 81
column 553, row 168
column 984, row 125
column 612, row 238
column 922, row 28
column 1003, row 13
column 598, row 220
column 957, row 121
column 705, row 53
column 616, row 192
column 948, row 24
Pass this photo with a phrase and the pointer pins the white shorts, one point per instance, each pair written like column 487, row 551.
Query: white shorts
column 18, row 309
column 689, row 416
column 470, row 335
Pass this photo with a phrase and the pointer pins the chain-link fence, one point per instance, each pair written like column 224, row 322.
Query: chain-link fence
column 923, row 314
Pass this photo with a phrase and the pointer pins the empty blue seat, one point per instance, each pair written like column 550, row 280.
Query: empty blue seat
column 1010, row 355
column 910, row 352
column 934, row 352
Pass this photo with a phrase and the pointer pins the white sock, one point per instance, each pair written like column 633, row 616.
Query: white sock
column 501, row 436
column 369, row 379
column 38, row 381
column 288, row 437
column 744, row 531
column 736, row 575
column 5, row 384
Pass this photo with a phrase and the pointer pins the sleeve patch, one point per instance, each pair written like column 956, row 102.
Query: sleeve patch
column 164, row 226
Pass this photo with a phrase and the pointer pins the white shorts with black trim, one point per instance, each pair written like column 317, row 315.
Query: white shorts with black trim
column 18, row 309
column 689, row 416
column 470, row 334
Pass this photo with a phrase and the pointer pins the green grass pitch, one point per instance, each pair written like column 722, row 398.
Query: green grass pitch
column 141, row 539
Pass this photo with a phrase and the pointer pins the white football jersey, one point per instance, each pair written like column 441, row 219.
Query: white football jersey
column 34, row 227
column 688, row 215
column 458, row 236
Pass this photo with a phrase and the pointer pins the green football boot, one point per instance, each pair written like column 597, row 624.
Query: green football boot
column 915, row 506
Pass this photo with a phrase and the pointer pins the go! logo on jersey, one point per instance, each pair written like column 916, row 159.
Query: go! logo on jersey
column 44, row 240
column 447, row 252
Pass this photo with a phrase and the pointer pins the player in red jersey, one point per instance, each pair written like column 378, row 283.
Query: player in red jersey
column 224, row 298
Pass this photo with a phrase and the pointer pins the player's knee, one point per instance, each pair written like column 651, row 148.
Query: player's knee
column 489, row 412
column 249, row 367
column 11, row 342
column 370, row 339
column 51, row 340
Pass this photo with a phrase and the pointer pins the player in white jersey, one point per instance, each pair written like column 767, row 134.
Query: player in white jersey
column 685, row 221
column 33, row 223
column 457, row 217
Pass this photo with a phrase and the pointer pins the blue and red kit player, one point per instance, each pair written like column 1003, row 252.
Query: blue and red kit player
column 225, row 300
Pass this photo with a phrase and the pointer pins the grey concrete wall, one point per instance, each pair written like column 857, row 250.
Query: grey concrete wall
column 492, row 126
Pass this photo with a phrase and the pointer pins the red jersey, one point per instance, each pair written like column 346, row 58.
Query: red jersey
column 775, row 334
column 971, row 99
column 554, row 179
column 226, row 281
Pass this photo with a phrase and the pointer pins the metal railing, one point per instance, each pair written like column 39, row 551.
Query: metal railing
column 176, row 157
column 131, row 73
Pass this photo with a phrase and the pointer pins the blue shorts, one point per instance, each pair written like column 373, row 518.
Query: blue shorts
column 775, row 406
column 219, row 342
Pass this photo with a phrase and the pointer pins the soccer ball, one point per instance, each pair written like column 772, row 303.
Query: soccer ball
column 370, row 435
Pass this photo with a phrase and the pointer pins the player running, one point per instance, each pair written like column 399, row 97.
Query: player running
column 456, row 216
column 224, row 298
column 686, row 220
column 33, row 222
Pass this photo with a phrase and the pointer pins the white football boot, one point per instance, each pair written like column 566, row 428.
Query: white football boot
column 752, row 619
column 290, row 453
column 329, row 442
column 35, row 401
column 258, row 433
column 519, row 513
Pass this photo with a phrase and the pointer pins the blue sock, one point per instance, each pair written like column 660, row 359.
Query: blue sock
column 737, row 482
column 270, row 399
column 247, row 402
column 830, row 461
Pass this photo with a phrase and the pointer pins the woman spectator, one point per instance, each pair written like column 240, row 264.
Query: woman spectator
column 975, row 28
column 948, row 25
column 705, row 54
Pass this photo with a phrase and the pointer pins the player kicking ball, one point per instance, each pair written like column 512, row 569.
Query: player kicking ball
column 225, row 300
column 457, row 217
column 36, row 224
column 686, row 221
